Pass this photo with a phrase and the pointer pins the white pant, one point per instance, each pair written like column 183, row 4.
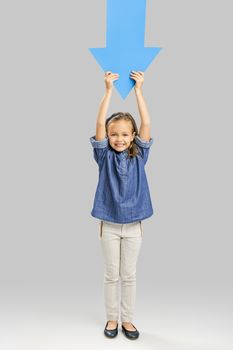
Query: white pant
column 120, row 246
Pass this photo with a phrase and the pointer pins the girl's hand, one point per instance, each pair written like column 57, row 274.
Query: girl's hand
column 138, row 77
column 109, row 78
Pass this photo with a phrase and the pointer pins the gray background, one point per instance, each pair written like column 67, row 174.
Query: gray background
column 51, row 268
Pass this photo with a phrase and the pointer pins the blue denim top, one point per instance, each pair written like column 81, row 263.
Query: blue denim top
column 122, row 194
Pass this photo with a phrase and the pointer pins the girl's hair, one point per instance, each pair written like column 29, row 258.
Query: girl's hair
column 132, row 150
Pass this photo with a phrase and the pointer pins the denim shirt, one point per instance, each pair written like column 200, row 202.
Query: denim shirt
column 122, row 194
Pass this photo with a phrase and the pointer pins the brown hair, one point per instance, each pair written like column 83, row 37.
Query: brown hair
column 132, row 150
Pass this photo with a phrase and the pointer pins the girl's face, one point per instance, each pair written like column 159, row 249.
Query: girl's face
column 120, row 134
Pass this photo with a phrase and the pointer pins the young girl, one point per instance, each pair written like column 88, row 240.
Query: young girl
column 122, row 201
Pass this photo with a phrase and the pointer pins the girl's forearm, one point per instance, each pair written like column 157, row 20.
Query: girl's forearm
column 103, row 108
column 143, row 111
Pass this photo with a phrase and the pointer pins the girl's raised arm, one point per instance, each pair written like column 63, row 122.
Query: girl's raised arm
column 109, row 78
column 144, row 131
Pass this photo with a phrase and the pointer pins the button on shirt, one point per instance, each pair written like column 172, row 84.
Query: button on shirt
column 122, row 194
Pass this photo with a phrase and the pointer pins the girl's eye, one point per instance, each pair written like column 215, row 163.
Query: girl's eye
column 123, row 135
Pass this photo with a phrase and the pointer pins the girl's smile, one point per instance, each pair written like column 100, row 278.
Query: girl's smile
column 120, row 144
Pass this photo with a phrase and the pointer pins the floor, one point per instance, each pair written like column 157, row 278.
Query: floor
column 51, row 319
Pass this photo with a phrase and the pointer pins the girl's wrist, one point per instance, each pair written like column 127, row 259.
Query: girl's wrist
column 138, row 89
column 108, row 90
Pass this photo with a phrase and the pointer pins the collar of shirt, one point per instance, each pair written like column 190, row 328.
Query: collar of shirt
column 122, row 154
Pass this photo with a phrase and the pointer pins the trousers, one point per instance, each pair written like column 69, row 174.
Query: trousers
column 120, row 244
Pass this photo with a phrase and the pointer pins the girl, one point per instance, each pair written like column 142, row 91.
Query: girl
column 122, row 201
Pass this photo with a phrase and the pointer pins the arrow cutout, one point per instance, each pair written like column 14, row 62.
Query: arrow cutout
column 125, row 49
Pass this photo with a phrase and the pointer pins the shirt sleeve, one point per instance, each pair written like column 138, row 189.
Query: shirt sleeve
column 144, row 147
column 99, row 149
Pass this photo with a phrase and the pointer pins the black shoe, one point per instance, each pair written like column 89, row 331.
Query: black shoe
column 130, row 334
column 111, row 333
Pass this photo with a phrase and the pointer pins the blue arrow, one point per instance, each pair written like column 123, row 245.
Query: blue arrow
column 125, row 49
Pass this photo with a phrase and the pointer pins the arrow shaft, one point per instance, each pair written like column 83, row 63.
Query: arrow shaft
column 125, row 23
